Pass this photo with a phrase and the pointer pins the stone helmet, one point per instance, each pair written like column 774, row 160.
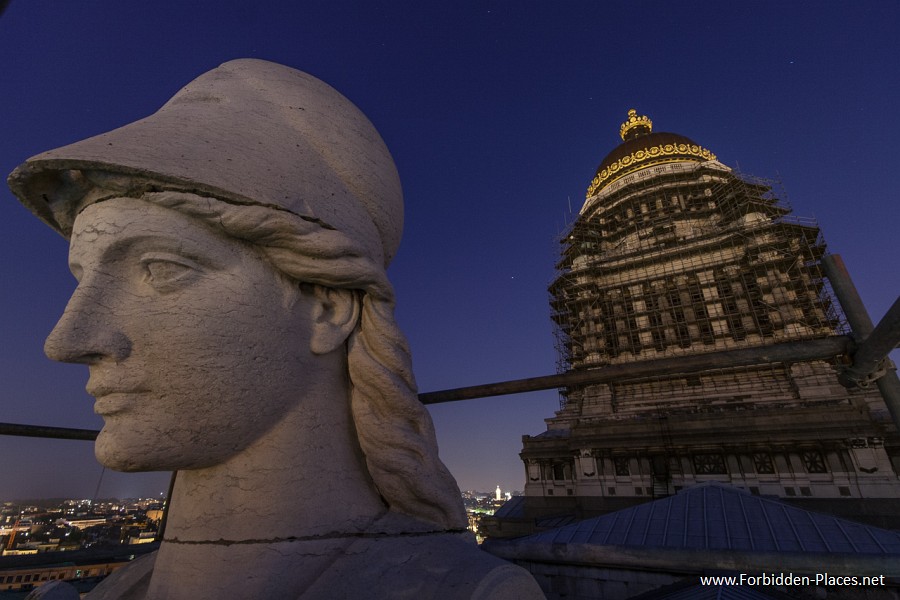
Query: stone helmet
column 248, row 132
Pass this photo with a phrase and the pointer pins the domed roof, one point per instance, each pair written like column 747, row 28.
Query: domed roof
column 642, row 148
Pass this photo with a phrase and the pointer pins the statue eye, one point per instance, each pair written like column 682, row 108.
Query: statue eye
column 167, row 273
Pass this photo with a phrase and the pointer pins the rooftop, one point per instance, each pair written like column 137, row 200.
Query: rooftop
column 713, row 516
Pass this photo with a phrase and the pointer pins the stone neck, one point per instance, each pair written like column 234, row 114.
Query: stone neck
column 304, row 479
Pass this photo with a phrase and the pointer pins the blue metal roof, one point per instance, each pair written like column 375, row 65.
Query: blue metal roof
column 514, row 508
column 554, row 521
column 714, row 516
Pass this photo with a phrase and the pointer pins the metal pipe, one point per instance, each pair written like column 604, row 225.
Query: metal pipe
column 161, row 529
column 848, row 296
column 788, row 352
column 60, row 433
column 820, row 349
column 877, row 345
column 861, row 324
column 889, row 386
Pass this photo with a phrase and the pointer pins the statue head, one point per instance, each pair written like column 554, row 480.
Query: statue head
column 232, row 247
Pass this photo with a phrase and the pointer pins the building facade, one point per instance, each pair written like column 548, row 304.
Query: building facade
column 676, row 254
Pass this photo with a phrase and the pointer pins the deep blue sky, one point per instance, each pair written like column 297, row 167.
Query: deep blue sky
column 497, row 114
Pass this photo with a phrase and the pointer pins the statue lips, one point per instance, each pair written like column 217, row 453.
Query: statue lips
column 110, row 400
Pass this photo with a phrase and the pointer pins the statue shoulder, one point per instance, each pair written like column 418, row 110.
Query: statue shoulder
column 443, row 566
column 400, row 567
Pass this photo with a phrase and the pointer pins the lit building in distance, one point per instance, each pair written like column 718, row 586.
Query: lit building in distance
column 676, row 254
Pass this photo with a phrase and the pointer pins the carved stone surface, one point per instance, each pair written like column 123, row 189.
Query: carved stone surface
column 237, row 322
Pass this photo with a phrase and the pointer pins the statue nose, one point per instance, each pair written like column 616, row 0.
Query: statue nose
column 87, row 332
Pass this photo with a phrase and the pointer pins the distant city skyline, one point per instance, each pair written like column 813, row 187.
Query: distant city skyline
column 497, row 116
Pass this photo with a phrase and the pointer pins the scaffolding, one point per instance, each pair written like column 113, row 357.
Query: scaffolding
column 684, row 259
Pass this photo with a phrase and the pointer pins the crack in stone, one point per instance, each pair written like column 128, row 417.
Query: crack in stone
column 310, row 538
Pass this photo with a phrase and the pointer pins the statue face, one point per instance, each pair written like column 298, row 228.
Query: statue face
column 196, row 346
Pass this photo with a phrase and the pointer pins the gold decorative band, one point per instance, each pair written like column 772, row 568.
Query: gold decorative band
column 626, row 164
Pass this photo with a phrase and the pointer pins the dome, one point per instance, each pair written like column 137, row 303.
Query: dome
column 643, row 148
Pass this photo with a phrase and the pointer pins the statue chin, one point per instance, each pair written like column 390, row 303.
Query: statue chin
column 125, row 451
column 131, row 457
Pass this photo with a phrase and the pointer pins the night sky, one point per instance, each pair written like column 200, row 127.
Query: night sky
column 497, row 114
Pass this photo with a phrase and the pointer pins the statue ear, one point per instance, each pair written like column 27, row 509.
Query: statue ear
column 334, row 317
